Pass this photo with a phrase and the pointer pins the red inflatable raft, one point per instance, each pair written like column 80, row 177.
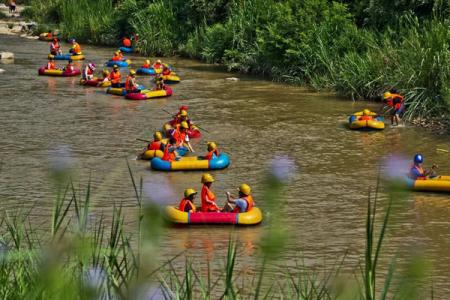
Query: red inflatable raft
column 62, row 73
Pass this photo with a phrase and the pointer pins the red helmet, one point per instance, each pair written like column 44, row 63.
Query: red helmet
column 183, row 107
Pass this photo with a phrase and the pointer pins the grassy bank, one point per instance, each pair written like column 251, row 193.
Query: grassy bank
column 355, row 48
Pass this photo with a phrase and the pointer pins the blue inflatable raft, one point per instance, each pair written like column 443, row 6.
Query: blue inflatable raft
column 191, row 163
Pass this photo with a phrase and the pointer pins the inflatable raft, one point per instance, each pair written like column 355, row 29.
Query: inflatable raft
column 149, row 94
column 191, row 163
column 95, row 82
column 120, row 91
column 150, row 154
column 174, row 215
column 169, row 79
column 376, row 123
column 44, row 37
column 67, row 56
column 435, row 184
column 62, row 73
column 120, row 63
column 126, row 49
column 146, row 71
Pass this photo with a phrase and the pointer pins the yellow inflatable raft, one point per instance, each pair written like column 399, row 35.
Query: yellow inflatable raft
column 435, row 184
column 355, row 121
column 252, row 217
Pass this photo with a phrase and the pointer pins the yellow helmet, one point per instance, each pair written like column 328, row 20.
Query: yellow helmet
column 167, row 126
column 207, row 178
column 387, row 95
column 184, row 124
column 183, row 113
column 147, row 61
column 158, row 61
column 132, row 72
column 157, row 136
column 366, row 112
column 245, row 189
column 105, row 72
column 117, row 52
column 189, row 192
column 211, row 146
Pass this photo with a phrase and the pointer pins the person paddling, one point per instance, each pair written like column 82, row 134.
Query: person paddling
column 187, row 203
column 417, row 172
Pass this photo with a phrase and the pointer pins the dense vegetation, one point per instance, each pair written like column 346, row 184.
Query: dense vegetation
column 357, row 48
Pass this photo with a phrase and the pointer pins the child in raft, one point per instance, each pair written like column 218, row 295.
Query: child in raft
column 51, row 64
column 187, row 203
column 105, row 74
column 146, row 64
column 69, row 67
column 88, row 71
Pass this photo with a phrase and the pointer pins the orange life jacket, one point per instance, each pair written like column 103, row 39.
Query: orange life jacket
column 209, row 156
column 115, row 77
column 250, row 204
column 421, row 171
column 186, row 204
column 126, row 42
column 396, row 101
column 365, row 118
column 116, row 57
column 179, row 136
column 50, row 65
column 128, row 85
column 76, row 48
column 146, row 66
column 154, row 146
column 168, row 156
column 206, row 207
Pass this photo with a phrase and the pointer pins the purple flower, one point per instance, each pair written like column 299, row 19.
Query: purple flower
column 158, row 190
column 282, row 168
column 61, row 158
column 395, row 166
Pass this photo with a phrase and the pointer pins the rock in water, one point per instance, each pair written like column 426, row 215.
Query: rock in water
column 232, row 79
column 2, row 71
column 6, row 55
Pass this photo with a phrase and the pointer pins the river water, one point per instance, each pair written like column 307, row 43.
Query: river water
column 254, row 120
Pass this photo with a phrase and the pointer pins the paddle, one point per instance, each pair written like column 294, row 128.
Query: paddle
column 442, row 150
column 142, row 140
column 199, row 127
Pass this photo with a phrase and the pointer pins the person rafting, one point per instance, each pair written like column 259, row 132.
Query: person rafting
column 159, row 80
column 170, row 148
column 51, row 64
column 366, row 115
column 213, row 152
column 240, row 204
column 117, row 56
column 417, row 172
column 166, row 70
column 167, row 130
column 157, row 65
column 105, row 74
column 157, row 143
column 146, row 64
column 75, row 49
column 187, row 203
column 181, row 137
column 115, row 77
column 88, row 71
column 69, row 67
column 126, row 42
column 207, row 196
column 130, row 83
column 55, row 47
column 396, row 102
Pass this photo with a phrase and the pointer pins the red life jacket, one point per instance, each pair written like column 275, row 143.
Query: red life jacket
column 89, row 71
column 157, row 66
column 126, row 42
column 146, row 66
column 128, row 85
column 396, row 101
column 168, row 156
column 50, row 65
column 365, row 118
column 115, row 77
column 154, row 146
column 250, row 204
column 166, row 71
column 209, row 156
column 179, row 136
column 54, row 46
column 186, row 205
column 206, row 207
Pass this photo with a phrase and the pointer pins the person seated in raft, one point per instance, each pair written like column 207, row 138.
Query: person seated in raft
column 396, row 103
column 417, row 172
column 167, row 130
column 126, row 42
column 115, row 77
column 187, row 203
column 130, row 83
column 170, row 153
column 157, row 143
column 243, row 203
column 159, row 80
column 75, row 49
column 366, row 116
column 146, row 64
column 117, row 56
column 51, row 64
column 88, row 71
column 157, row 65
column 49, row 34
column 166, row 70
column 207, row 196
column 69, row 67
column 181, row 137
column 105, row 74
column 213, row 152
column 55, row 47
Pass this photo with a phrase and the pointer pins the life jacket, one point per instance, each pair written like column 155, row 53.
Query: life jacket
column 126, row 42
column 116, row 57
column 395, row 101
column 50, row 65
column 128, row 84
column 250, row 204
column 69, row 67
column 210, row 154
column 76, row 48
column 179, row 136
column 54, row 46
column 365, row 118
column 166, row 71
column 89, row 71
column 206, row 207
column 146, row 66
column 421, row 172
column 186, row 203
column 154, row 146
column 49, row 35
column 157, row 66
column 168, row 156
column 115, row 77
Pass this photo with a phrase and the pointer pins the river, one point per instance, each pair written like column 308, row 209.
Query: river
column 253, row 120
